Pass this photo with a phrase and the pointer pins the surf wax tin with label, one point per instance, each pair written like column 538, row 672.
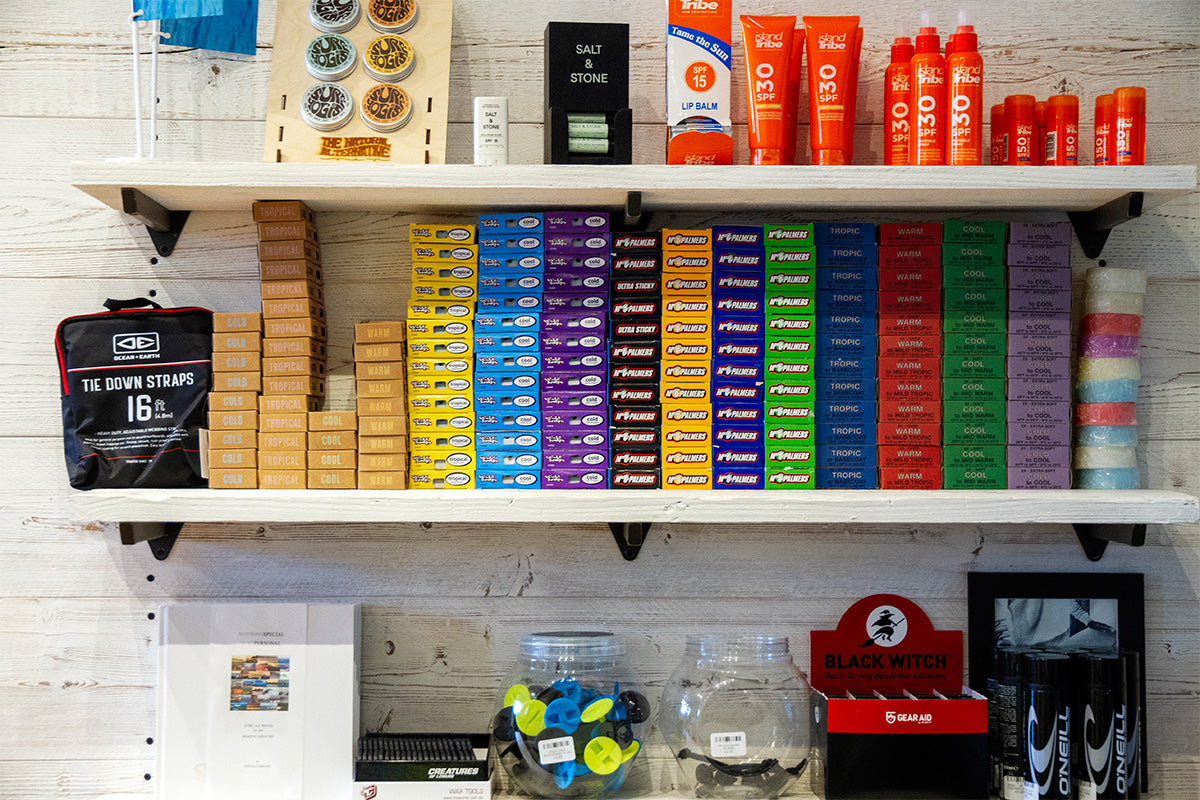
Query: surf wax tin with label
column 330, row 57
column 334, row 16
column 385, row 108
column 389, row 58
column 392, row 16
column 326, row 106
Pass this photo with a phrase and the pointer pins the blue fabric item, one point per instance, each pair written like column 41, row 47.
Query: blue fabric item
column 233, row 31
column 178, row 9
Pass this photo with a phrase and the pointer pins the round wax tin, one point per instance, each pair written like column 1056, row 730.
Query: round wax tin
column 330, row 57
column 326, row 106
column 389, row 58
column 334, row 16
column 392, row 16
column 385, row 108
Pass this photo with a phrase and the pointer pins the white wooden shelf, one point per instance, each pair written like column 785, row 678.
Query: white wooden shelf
column 607, row 505
column 213, row 186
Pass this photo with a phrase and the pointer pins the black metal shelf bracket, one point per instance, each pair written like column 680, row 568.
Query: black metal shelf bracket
column 161, row 536
column 636, row 217
column 630, row 536
column 163, row 225
column 1092, row 227
column 1094, row 538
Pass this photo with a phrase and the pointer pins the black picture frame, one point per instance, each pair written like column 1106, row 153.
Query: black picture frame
column 1126, row 588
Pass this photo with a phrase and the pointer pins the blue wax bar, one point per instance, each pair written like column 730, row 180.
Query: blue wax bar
column 1126, row 478
column 1114, row 391
column 737, row 478
column 1106, row 435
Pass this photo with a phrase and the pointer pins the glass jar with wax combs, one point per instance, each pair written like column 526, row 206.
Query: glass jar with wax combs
column 571, row 721
column 735, row 715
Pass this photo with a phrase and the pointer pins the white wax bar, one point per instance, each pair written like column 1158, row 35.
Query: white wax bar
column 1108, row 369
column 1105, row 457
column 1105, row 302
column 1106, row 436
column 1113, row 279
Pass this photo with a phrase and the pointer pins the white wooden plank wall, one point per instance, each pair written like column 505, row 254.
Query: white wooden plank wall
column 446, row 604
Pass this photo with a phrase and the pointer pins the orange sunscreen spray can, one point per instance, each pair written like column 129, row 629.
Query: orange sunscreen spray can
column 768, row 46
column 999, row 131
column 927, row 115
column 897, row 83
column 964, row 68
column 1105, row 131
column 1062, row 131
column 1130, row 102
column 1020, row 115
column 832, row 53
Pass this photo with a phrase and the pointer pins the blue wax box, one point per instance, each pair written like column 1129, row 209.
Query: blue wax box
column 518, row 459
column 511, row 223
column 845, row 366
column 846, row 344
column 845, row 322
column 846, row 455
column 738, row 369
column 508, row 360
column 846, row 433
column 506, row 380
column 496, row 244
column 854, row 389
column 507, row 419
column 739, row 349
column 735, row 325
column 852, row 411
column 846, row 477
column 737, row 237
column 848, row 301
column 507, row 322
column 506, row 283
column 854, row 278
column 508, row 440
column 737, row 478
column 513, row 342
column 492, row 478
column 858, row 233
column 496, row 303
column 739, row 305
column 727, row 391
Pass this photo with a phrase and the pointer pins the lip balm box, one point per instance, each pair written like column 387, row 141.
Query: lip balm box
column 919, row 477
column 846, row 477
column 848, row 233
column 1039, row 255
column 529, row 222
column 846, row 455
column 567, row 221
column 738, row 478
column 914, row 433
column 1039, row 301
column 847, row 255
column 568, row 283
column 573, row 438
column 789, row 478
column 910, row 233
column 900, row 455
column 909, row 279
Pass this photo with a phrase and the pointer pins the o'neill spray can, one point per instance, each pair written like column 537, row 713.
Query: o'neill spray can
column 1103, row 727
column 1046, row 705
column 1133, row 702
column 1009, row 721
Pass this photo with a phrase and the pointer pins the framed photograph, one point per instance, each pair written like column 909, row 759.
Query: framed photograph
column 1058, row 611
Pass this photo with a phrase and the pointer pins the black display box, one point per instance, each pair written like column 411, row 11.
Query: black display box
column 587, row 72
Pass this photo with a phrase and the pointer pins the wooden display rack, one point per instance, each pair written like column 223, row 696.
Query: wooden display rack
column 421, row 141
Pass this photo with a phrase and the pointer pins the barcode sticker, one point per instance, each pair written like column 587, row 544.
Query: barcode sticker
column 1051, row 147
column 727, row 745
column 556, row 751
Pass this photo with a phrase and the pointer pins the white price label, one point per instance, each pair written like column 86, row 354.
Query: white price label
column 731, row 744
column 556, row 751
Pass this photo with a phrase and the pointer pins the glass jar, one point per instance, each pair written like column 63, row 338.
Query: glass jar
column 735, row 714
column 570, row 721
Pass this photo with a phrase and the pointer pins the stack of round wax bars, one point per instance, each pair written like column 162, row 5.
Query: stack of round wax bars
column 1105, row 454
column 569, row 736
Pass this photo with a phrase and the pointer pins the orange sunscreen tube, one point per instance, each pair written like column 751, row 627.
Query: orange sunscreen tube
column 927, row 116
column 897, row 80
column 964, row 66
column 832, row 65
column 1062, row 131
column 1130, row 103
column 1020, row 115
column 852, row 97
column 1105, row 150
column 999, row 130
column 791, row 109
column 768, row 46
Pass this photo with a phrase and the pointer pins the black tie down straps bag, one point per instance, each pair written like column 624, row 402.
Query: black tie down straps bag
column 135, row 381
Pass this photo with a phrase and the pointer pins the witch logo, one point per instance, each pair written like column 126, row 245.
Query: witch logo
column 886, row 627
